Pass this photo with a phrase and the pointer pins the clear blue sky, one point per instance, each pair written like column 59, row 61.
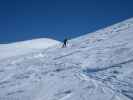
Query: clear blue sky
column 27, row 19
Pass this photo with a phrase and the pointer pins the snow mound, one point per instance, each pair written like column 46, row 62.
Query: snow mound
column 24, row 47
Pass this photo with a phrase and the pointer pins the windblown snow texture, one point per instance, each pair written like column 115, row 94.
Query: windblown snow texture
column 95, row 66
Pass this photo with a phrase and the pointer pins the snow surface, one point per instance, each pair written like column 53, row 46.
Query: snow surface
column 25, row 47
column 96, row 66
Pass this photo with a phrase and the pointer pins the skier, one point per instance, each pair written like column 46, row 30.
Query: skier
column 65, row 42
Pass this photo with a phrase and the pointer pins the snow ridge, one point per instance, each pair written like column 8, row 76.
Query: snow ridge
column 25, row 47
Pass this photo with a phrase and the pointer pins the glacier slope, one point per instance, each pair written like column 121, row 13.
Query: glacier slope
column 94, row 67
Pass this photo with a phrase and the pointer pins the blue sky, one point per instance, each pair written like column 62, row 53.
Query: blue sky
column 28, row 19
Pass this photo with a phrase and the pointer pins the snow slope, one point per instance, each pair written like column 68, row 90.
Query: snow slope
column 24, row 47
column 96, row 66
